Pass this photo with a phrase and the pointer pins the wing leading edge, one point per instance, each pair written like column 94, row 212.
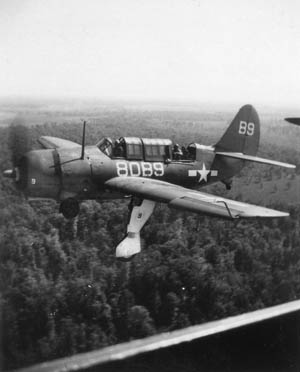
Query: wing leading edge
column 185, row 199
column 54, row 142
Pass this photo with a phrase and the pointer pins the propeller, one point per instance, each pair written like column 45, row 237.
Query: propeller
column 19, row 142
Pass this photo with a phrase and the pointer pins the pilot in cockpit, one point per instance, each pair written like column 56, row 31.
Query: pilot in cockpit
column 177, row 153
column 119, row 149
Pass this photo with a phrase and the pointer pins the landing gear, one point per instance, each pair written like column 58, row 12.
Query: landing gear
column 69, row 208
column 139, row 215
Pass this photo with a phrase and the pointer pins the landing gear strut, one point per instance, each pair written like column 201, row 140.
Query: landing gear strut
column 69, row 208
column 131, row 244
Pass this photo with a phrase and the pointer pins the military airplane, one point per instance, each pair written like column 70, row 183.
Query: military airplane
column 149, row 171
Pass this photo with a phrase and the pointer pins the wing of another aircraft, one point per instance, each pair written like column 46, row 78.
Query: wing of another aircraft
column 55, row 142
column 93, row 360
column 185, row 199
column 293, row 120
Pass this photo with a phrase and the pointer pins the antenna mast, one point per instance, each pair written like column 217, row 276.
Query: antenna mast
column 83, row 141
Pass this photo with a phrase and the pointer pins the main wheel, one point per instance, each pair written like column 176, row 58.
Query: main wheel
column 69, row 208
column 127, row 259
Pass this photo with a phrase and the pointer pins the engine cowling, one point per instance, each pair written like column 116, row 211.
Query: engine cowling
column 37, row 176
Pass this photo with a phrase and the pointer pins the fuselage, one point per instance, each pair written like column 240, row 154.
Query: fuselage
column 61, row 173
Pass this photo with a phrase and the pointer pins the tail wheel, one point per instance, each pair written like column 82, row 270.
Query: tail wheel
column 69, row 208
column 227, row 183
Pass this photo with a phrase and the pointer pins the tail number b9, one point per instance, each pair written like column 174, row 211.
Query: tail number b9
column 246, row 128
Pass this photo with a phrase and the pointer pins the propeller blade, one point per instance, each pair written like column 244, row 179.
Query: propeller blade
column 19, row 140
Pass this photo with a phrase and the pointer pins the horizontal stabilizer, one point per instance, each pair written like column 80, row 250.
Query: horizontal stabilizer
column 256, row 159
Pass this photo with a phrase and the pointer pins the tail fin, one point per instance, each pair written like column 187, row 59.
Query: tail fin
column 241, row 137
column 238, row 145
column 243, row 134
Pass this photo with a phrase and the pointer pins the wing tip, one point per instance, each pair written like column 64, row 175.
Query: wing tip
column 293, row 120
column 267, row 213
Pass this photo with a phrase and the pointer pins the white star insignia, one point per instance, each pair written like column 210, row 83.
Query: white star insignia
column 203, row 173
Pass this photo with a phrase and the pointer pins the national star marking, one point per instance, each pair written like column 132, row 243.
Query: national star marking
column 203, row 173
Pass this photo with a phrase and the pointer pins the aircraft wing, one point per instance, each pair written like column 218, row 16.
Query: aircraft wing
column 54, row 142
column 185, row 199
column 93, row 360
column 293, row 120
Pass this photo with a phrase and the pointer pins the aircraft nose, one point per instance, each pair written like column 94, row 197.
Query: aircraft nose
column 35, row 174
column 18, row 173
column 38, row 177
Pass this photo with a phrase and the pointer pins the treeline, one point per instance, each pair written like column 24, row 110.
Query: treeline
column 63, row 292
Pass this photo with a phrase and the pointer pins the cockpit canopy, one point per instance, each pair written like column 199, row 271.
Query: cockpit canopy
column 106, row 146
column 152, row 149
column 133, row 148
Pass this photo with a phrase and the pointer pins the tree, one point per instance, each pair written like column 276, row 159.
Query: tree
column 140, row 324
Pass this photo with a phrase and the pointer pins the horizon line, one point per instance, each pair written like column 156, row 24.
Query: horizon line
column 143, row 100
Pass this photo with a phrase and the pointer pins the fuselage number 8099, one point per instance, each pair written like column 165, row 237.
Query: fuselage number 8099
column 139, row 169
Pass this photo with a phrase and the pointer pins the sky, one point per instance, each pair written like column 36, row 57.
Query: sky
column 163, row 50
